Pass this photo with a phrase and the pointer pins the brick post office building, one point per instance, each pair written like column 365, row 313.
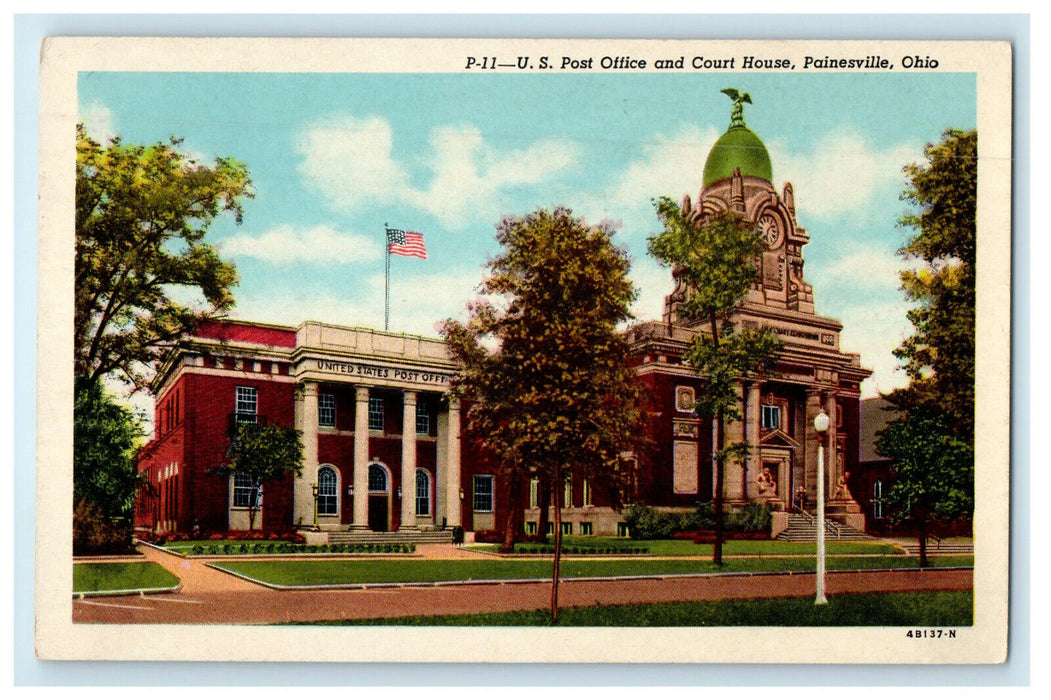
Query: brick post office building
column 382, row 438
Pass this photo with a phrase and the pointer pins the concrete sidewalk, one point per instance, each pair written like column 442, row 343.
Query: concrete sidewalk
column 212, row 597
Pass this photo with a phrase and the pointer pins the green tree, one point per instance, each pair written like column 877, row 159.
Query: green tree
column 105, row 437
column 940, row 280
column 555, row 396
column 933, row 472
column 931, row 444
column 715, row 259
column 141, row 216
column 264, row 452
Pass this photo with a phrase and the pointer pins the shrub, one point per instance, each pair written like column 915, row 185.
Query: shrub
column 645, row 523
column 754, row 517
column 197, row 549
column 93, row 533
column 701, row 519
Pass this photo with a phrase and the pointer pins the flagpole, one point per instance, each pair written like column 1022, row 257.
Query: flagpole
column 386, row 280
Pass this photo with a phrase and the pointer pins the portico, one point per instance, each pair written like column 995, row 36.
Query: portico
column 373, row 411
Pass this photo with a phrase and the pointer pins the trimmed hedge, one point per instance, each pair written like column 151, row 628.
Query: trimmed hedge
column 299, row 548
column 646, row 523
column 548, row 549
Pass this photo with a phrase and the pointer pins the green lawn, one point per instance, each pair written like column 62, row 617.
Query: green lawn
column 730, row 548
column 97, row 578
column 313, row 572
column 868, row 610
column 954, row 609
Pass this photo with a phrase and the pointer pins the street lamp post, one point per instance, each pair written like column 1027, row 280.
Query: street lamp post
column 820, row 425
column 314, row 491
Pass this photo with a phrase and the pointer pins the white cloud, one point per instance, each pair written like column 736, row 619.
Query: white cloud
column 653, row 283
column 286, row 245
column 842, row 173
column 669, row 165
column 350, row 162
column 419, row 302
column 874, row 331
column 866, row 266
column 99, row 122
column 470, row 175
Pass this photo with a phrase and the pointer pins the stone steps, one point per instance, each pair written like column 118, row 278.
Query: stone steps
column 396, row 537
column 802, row 528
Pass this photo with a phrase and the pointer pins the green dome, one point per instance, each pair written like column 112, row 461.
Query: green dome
column 740, row 148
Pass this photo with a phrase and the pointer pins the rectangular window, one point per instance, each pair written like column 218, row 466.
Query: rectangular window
column 877, row 500
column 587, row 493
column 622, row 529
column 246, row 494
column 530, row 527
column 771, row 419
column 247, row 404
column 483, row 493
column 567, row 528
column 550, row 528
column 567, row 497
column 423, row 493
column 586, row 529
column 423, row 419
column 375, row 413
column 534, row 493
column 326, row 410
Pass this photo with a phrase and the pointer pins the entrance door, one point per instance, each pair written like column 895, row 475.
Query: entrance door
column 378, row 513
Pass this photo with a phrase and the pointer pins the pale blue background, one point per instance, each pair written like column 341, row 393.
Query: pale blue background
column 29, row 30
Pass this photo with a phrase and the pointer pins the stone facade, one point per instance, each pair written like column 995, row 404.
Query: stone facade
column 778, row 409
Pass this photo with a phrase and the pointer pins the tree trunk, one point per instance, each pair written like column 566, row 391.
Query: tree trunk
column 557, row 500
column 924, row 563
column 544, row 502
column 513, row 521
column 717, row 498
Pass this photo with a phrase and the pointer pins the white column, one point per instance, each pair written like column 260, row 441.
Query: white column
column 452, row 472
column 306, row 421
column 733, row 468
column 833, row 468
column 408, row 460
column 361, row 457
column 813, row 407
column 754, row 463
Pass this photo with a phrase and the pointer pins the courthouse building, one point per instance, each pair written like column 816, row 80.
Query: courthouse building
column 382, row 437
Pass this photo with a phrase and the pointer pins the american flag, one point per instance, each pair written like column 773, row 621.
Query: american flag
column 407, row 243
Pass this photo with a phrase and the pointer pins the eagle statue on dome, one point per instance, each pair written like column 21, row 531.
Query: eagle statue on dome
column 739, row 99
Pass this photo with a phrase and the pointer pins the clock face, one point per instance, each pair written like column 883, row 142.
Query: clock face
column 770, row 230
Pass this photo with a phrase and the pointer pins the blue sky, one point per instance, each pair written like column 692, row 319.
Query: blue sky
column 335, row 156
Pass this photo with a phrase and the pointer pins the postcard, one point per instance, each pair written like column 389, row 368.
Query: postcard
column 461, row 350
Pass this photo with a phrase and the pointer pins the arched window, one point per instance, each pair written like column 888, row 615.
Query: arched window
column 423, row 492
column 377, row 478
column 327, row 491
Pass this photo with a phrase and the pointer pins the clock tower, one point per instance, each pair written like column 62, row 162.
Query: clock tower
column 811, row 374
